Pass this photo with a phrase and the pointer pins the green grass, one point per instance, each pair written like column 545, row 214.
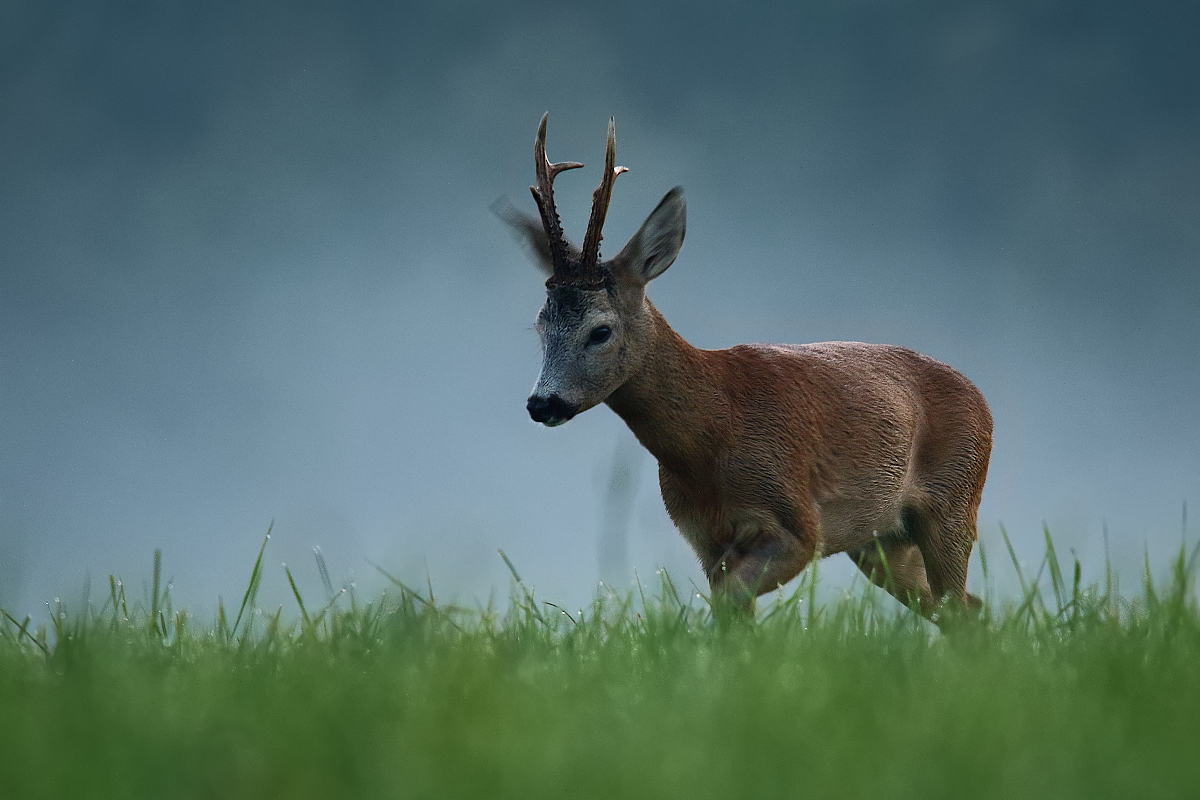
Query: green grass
column 1068, row 690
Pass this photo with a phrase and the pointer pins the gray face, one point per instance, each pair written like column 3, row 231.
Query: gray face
column 583, row 353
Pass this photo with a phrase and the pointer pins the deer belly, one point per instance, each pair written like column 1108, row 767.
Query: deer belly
column 713, row 532
column 849, row 524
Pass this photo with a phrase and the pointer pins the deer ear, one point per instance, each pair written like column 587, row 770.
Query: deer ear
column 656, row 244
column 529, row 231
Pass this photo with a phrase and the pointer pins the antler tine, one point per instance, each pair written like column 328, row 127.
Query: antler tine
column 600, row 199
column 543, row 195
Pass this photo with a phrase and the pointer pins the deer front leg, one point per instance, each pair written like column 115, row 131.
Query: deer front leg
column 758, row 561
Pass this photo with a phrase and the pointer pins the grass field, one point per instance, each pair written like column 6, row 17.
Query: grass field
column 1069, row 690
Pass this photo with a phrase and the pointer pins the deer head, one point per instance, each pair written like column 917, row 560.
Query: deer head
column 595, row 325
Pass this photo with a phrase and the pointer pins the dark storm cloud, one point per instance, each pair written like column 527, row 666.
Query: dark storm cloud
column 248, row 272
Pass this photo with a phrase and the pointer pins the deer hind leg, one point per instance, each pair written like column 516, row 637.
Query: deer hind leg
column 945, row 538
column 896, row 564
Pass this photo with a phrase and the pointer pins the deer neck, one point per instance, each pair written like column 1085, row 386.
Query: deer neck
column 672, row 401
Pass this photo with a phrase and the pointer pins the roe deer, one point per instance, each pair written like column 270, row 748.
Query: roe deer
column 769, row 455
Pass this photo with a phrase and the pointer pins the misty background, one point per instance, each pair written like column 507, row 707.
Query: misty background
column 248, row 272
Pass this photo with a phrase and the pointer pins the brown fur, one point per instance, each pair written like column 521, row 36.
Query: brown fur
column 770, row 455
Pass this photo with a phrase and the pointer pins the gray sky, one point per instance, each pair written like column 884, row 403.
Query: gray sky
column 247, row 270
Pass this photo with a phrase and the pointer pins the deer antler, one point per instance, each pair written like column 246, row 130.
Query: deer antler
column 589, row 261
column 543, row 195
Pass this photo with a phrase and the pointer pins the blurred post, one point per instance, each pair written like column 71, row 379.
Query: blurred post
column 618, row 511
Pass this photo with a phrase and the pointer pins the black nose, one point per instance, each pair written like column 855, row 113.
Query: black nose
column 550, row 409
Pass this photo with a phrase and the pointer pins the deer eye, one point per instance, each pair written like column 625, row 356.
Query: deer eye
column 599, row 335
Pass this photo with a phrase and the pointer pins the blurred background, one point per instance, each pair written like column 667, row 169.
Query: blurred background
column 248, row 272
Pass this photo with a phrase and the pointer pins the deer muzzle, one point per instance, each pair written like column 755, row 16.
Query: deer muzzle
column 550, row 411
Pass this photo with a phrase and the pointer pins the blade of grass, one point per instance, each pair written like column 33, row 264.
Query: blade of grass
column 299, row 600
column 563, row 610
column 404, row 588
column 152, row 621
column 1056, row 577
column 511, row 568
column 1032, row 598
column 1012, row 554
column 23, row 630
column 983, row 568
column 222, row 620
column 255, row 580
column 814, row 616
column 323, row 571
